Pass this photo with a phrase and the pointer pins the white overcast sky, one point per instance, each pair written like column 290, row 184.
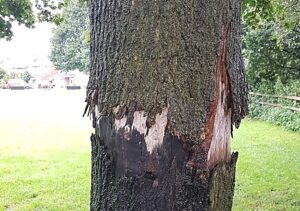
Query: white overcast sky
column 26, row 45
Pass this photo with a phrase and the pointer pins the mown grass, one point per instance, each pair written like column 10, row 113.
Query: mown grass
column 45, row 159
column 268, row 168
column 50, row 172
column 44, row 151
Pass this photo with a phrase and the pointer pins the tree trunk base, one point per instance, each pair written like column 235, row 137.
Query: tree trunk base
column 125, row 176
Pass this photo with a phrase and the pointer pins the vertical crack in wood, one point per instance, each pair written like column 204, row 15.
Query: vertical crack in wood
column 230, row 103
column 217, row 131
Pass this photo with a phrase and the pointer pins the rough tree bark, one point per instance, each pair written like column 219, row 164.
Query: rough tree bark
column 167, row 85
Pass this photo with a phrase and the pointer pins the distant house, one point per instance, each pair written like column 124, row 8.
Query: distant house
column 41, row 81
column 62, row 80
column 73, row 79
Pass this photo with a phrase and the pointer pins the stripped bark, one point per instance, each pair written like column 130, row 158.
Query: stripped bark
column 167, row 84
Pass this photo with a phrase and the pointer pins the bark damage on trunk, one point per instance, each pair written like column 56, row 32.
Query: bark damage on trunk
column 167, row 85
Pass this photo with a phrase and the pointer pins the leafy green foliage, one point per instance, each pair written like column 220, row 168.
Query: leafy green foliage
column 14, row 10
column 49, row 11
column 272, row 51
column 271, row 57
column 279, row 116
column 292, row 87
column 3, row 76
column 26, row 76
column 256, row 12
column 70, row 47
column 2, row 73
column 288, row 119
column 21, row 11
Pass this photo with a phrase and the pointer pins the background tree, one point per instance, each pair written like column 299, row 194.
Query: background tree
column 15, row 10
column 26, row 76
column 21, row 12
column 271, row 58
column 257, row 12
column 273, row 50
column 3, row 76
column 70, row 47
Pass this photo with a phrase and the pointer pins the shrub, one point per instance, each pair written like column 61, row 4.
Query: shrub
column 278, row 116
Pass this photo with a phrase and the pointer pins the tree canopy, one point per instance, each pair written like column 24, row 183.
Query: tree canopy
column 273, row 49
column 21, row 11
column 257, row 11
column 26, row 76
column 70, row 47
column 15, row 10
column 271, row 57
column 3, row 74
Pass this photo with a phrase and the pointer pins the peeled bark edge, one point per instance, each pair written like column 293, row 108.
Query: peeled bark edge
column 236, row 66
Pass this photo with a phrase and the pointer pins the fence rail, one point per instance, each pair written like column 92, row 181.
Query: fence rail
column 295, row 100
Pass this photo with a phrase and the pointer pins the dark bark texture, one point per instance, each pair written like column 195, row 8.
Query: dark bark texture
column 167, row 84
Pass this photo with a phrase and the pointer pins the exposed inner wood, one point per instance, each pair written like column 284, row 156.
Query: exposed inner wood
column 139, row 122
column 154, row 135
column 120, row 123
column 219, row 149
column 218, row 129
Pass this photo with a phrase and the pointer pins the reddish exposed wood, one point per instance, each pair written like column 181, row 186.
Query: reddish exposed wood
column 222, row 101
column 222, row 95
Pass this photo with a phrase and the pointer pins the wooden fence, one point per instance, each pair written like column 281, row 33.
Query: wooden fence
column 277, row 100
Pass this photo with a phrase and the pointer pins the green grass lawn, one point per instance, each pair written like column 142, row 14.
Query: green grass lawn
column 45, row 160
column 49, row 172
column 44, row 151
column 268, row 168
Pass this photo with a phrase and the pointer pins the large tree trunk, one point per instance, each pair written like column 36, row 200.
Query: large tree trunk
column 167, row 84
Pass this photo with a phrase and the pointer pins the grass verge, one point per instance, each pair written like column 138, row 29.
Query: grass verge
column 268, row 168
